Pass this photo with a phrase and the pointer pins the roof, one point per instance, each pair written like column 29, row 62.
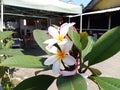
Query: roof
column 90, row 5
column 96, row 5
column 37, row 8
column 102, row 11
column 97, row 12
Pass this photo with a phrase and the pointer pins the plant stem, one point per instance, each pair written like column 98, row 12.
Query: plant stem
column 81, row 64
column 85, row 69
column 63, row 64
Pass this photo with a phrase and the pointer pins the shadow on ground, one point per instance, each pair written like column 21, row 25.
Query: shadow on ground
column 34, row 50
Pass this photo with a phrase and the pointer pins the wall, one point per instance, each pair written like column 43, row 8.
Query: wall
column 104, row 4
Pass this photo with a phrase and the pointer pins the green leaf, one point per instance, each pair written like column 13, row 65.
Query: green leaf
column 24, row 61
column 106, row 46
column 95, row 72
column 88, row 48
column 9, row 44
column 107, row 83
column 41, row 82
column 55, row 26
column 11, row 51
column 2, row 71
column 75, row 38
column 0, row 44
column 5, row 34
column 76, row 82
column 84, row 39
column 40, row 36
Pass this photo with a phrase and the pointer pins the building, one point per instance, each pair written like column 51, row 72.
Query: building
column 101, row 15
column 96, row 5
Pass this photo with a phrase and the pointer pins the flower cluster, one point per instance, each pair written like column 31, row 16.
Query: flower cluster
column 60, row 47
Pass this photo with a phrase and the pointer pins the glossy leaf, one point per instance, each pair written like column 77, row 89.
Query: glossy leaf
column 11, row 51
column 105, row 47
column 95, row 72
column 41, row 82
column 75, row 38
column 107, row 83
column 76, row 82
column 88, row 48
column 5, row 34
column 84, row 39
column 2, row 71
column 55, row 26
column 0, row 45
column 9, row 44
column 24, row 61
column 40, row 36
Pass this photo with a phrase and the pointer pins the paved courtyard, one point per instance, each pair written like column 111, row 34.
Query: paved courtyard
column 109, row 68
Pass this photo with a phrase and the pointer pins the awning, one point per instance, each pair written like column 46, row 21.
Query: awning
column 37, row 9
column 46, row 6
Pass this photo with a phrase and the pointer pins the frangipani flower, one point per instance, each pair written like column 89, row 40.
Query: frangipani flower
column 69, row 73
column 58, row 35
column 60, row 55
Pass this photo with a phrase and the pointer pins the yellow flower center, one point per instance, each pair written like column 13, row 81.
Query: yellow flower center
column 60, row 54
column 60, row 38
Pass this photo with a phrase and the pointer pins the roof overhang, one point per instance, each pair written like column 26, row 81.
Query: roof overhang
column 102, row 11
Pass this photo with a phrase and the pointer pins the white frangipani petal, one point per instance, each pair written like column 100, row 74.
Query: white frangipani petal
column 64, row 24
column 50, row 60
column 63, row 42
column 56, row 67
column 52, row 49
column 68, row 46
column 68, row 73
column 50, row 41
column 69, row 60
column 53, row 32
column 64, row 29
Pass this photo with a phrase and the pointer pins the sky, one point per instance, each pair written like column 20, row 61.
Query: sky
column 78, row 2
